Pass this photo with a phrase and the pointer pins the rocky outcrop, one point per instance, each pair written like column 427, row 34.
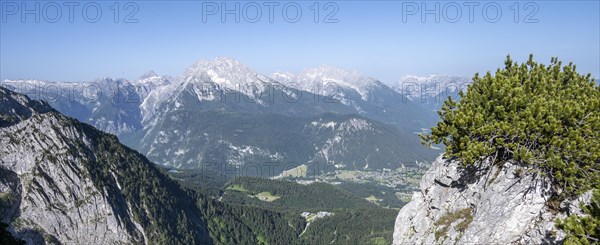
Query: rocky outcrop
column 481, row 204
column 62, row 181
column 48, row 195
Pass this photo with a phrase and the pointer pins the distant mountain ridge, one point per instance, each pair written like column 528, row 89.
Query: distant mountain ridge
column 108, row 104
column 319, row 79
column 430, row 91
column 169, row 119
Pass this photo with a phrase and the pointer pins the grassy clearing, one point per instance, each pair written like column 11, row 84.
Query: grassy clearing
column 373, row 199
column 297, row 172
column 266, row 196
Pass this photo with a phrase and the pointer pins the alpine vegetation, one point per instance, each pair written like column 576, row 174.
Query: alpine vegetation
column 521, row 164
column 545, row 116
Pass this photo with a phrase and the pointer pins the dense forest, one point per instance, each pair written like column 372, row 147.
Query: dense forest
column 353, row 227
column 354, row 220
column 237, row 216
column 292, row 196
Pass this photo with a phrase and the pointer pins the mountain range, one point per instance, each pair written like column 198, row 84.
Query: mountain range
column 221, row 113
column 63, row 181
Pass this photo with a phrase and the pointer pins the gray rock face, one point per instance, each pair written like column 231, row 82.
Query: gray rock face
column 65, row 182
column 45, row 192
column 481, row 205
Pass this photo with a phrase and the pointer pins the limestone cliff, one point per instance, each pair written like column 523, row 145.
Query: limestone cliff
column 62, row 181
column 482, row 205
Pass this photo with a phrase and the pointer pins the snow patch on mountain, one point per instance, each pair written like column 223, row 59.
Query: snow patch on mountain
column 355, row 125
column 230, row 75
column 239, row 153
column 329, row 81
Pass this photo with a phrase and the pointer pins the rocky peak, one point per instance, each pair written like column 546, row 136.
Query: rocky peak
column 208, row 79
column 148, row 74
column 480, row 205
column 221, row 70
column 17, row 107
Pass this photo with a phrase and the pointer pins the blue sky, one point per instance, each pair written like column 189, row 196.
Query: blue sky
column 369, row 36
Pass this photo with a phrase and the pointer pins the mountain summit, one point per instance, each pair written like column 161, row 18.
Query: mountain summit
column 224, row 71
